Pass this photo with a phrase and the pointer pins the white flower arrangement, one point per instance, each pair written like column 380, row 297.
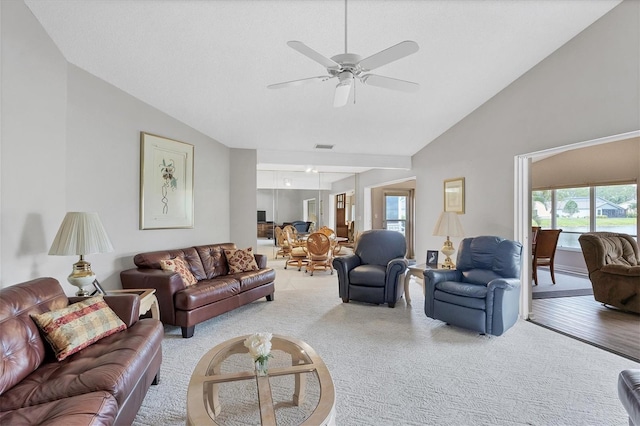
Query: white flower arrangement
column 259, row 345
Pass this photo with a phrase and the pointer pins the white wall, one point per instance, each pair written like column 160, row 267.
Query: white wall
column 33, row 146
column 243, row 204
column 588, row 88
column 71, row 142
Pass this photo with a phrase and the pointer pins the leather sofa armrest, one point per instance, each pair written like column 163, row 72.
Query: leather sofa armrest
column 629, row 394
column 166, row 283
column 261, row 260
column 126, row 306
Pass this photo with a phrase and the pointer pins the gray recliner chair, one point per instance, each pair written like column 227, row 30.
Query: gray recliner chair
column 374, row 272
column 483, row 292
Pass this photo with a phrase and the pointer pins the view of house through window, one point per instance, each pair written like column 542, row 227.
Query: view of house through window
column 611, row 208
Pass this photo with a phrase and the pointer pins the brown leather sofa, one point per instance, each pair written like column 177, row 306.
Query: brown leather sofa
column 613, row 262
column 103, row 384
column 215, row 293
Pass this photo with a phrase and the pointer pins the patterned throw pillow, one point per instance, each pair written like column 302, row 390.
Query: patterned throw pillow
column 241, row 260
column 180, row 266
column 71, row 329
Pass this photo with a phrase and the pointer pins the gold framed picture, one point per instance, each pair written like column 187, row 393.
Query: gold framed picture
column 454, row 195
column 166, row 183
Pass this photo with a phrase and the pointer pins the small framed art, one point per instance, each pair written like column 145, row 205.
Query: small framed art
column 432, row 259
column 454, row 195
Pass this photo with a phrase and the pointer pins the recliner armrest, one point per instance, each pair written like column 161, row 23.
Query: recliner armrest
column 504, row 283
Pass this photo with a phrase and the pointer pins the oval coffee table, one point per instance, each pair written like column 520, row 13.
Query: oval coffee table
column 295, row 370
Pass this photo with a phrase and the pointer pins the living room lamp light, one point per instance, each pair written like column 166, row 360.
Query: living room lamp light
column 81, row 233
column 448, row 226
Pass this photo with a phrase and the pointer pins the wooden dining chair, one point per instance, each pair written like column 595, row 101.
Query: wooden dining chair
column 319, row 253
column 544, row 251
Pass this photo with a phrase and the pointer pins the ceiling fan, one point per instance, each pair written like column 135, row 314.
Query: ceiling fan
column 347, row 67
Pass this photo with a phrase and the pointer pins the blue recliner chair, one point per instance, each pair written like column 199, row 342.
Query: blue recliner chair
column 374, row 272
column 483, row 292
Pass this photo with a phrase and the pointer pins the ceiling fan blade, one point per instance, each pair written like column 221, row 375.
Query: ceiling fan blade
column 309, row 52
column 390, row 54
column 299, row 82
column 390, row 83
column 341, row 96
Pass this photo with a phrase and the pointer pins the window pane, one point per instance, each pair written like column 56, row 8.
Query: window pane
column 396, row 207
column 541, row 208
column 572, row 212
column 616, row 209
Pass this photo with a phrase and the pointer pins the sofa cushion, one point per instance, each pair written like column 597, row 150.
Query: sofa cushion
column 190, row 255
column 71, row 329
column 213, row 259
column 253, row 279
column 241, row 260
column 477, row 291
column 114, row 364
column 369, row 275
column 180, row 266
column 206, row 292
column 92, row 409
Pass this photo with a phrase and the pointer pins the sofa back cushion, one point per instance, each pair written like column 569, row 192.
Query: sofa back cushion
column 214, row 260
column 499, row 255
column 379, row 246
column 22, row 349
column 151, row 260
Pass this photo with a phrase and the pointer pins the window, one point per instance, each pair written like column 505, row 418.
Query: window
column 612, row 208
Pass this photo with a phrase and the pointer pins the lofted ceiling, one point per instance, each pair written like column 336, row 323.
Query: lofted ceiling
column 208, row 64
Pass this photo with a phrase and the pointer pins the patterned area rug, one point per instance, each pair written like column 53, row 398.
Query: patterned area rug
column 398, row 367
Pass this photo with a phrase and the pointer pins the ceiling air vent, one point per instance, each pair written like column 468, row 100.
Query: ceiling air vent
column 324, row 146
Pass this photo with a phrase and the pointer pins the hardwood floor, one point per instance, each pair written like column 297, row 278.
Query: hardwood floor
column 589, row 321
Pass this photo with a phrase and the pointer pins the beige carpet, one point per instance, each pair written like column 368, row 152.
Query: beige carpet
column 398, row 367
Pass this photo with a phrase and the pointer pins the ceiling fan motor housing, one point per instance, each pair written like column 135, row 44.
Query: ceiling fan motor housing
column 348, row 62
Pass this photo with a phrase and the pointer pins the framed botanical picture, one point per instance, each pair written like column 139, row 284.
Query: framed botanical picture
column 454, row 195
column 166, row 183
column 432, row 259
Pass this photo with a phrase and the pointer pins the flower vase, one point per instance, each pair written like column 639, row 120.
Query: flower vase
column 262, row 367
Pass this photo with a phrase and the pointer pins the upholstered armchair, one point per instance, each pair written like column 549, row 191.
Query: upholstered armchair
column 614, row 268
column 483, row 292
column 374, row 272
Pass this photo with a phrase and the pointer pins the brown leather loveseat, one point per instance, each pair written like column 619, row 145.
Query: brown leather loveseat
column 102, row 384
column 214, row 292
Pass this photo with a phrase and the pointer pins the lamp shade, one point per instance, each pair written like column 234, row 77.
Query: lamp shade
column 448, row 225
column 80, row 233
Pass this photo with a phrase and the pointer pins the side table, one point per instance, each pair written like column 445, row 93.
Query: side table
column 148, row 300
column 418, row 272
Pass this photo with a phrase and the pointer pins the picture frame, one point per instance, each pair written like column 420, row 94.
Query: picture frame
column 98, row 288
column 166, row 183
column 454, row 195
column 432, row 259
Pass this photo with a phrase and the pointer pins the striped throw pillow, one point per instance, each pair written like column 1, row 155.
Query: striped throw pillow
column 71, row 329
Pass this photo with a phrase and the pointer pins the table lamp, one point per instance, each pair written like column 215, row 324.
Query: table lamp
column 81, row 233
column 448, row 226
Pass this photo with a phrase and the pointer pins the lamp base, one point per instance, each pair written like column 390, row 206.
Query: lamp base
column 82, row 276
column 447, row 249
